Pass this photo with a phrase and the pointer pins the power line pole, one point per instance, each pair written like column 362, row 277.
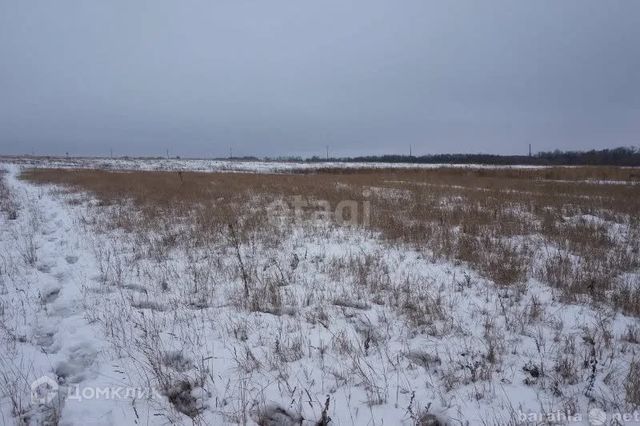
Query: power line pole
column 410, row 153
column 529, row 150
column 327, row 152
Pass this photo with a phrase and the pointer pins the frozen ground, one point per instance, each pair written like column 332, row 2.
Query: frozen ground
column 341, row 326
column 201, row 165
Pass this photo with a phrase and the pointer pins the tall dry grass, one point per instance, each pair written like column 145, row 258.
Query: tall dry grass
column 560, row 225
column 8, row 205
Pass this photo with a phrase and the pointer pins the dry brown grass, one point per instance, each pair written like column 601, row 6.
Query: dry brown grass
column 7, row 204
column 493, row 219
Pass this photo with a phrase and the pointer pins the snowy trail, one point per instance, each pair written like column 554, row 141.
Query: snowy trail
column 57, row 344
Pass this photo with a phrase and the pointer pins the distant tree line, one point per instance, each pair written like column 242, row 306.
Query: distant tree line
column 622, row 156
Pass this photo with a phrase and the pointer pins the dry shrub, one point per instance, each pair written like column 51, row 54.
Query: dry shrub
column 505, row 263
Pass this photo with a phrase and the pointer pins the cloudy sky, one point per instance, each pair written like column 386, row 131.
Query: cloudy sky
column 288, row 77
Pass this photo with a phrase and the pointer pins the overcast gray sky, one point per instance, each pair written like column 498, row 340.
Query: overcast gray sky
column 289, row 77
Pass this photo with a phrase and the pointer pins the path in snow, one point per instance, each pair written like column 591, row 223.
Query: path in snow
column 55, row 340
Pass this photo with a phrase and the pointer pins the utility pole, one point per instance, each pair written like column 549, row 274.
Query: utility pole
column 111, row 152
column 410, row 153
column 529, row 150
column 167, row 154
column 327, row 152
column 230, row 152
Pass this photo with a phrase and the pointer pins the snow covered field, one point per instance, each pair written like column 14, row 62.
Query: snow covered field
column 452, row 300
column 201, row 165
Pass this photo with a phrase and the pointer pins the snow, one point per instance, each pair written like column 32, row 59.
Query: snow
column 45, row 304
column 99, row 341
column 203, row 165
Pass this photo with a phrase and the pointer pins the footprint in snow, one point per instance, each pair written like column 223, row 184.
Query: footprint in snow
column 45, row 268
column 50, row 294
column 61, row 276
column 74, row 368
column 44, row 338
